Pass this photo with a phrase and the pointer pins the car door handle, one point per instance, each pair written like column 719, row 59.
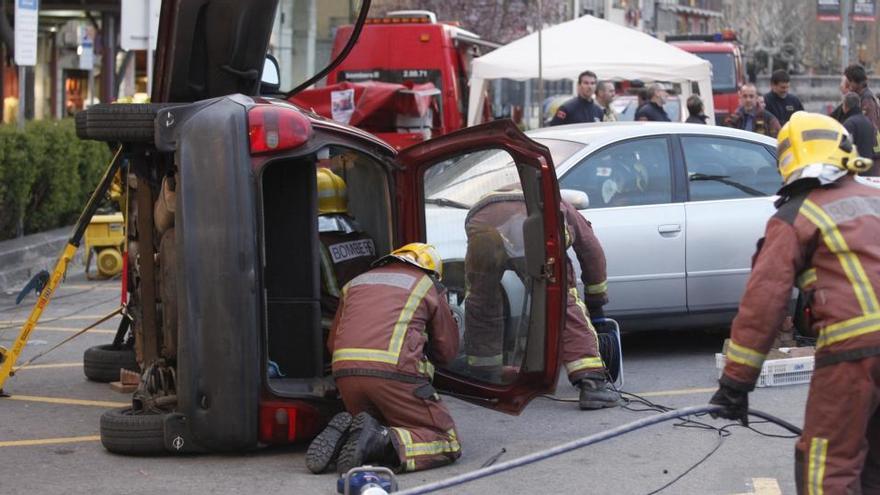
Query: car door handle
column 670, row 228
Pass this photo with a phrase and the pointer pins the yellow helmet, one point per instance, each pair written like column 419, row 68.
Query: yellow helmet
column 419, row 254
column 332, row 193
column 815, row 146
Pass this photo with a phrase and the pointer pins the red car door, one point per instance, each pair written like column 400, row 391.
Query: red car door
column 441, row 184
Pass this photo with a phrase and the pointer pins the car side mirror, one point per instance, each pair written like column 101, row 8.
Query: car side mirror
column 270, row 82
column 578, row 199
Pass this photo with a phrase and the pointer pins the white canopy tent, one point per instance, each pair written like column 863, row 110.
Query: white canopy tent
column 588, row 43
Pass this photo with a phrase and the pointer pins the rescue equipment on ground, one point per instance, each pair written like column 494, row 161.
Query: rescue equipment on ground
column 814, row 146
column 367, row 480
column 104, row 238
column 10, row 356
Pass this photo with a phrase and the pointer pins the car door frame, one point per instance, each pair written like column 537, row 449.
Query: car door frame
column 503, row 134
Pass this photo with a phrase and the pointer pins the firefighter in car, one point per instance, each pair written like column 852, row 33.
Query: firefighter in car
column 823, row 238
column 392, row 326
column 346, row 251
column 494, row 227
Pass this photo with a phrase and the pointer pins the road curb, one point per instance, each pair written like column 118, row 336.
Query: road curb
column 23, row 257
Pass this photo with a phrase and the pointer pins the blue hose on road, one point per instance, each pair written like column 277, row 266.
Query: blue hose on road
column 583, row 442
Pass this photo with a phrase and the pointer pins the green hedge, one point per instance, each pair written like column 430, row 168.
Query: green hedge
column 46, row 175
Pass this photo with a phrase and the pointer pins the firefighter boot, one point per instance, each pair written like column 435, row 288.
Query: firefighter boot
column 325, row 448
column 597, row 393
column 368, row 443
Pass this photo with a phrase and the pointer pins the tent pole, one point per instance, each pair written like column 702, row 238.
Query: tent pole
column 540, row 66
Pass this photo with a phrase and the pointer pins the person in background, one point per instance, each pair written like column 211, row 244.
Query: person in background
column 581, row 108
column 695, row 110
column 604, row 97
column 857, row 82
column 750, row 116
column 779, row 101
column 653, row 110
column 860, row 129
column 837, row 113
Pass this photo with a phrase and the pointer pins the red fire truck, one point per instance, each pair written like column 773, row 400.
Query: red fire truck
column 406, row 79
column 728, row 70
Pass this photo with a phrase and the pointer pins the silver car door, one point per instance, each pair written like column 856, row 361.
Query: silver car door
column 629, row 185
column 731, row 185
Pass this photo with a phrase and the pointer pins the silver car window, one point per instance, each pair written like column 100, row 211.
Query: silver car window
column 722, row 168
column 635, row 172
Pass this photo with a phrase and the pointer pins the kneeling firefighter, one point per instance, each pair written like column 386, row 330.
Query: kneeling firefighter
column 392, row 323
column 824, row 237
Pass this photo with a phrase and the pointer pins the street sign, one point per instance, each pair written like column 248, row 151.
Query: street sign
column 86, row 49
column 864, row 11
column 26, row 20
column 140, row 24
column 828, row 10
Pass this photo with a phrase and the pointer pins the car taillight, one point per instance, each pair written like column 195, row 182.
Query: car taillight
column 283, row 422
column 275, row 128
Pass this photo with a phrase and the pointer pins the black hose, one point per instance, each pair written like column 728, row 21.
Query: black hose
column 583, row 442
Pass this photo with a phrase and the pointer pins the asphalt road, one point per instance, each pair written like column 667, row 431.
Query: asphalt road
column 49, row 439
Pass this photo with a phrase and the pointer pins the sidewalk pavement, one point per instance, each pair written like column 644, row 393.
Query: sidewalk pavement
column 22, row 258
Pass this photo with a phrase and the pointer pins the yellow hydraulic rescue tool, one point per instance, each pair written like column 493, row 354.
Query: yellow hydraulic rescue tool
column 9, row 357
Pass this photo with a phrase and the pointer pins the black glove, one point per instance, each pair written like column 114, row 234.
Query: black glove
column 735, row 402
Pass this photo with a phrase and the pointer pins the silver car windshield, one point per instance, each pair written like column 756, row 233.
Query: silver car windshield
column 460, row 182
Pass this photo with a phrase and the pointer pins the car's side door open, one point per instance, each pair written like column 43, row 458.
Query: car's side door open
column 487, row 199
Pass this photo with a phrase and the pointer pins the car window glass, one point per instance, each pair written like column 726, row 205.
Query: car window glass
column 560, row 150
column 722, row 168
column 631, row 173
column 486, row 231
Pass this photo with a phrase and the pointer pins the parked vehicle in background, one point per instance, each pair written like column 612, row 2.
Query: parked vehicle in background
column 728, row 69
column 411, row 48
column 678, row 208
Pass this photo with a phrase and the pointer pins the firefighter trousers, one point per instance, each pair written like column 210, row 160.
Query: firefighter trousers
column 839, row 450
column 424, row 433
column 485, row 263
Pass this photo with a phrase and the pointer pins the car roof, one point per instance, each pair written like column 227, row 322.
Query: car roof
column 606, row 132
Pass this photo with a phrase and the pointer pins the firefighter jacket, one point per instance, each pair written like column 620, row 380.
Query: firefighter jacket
column 392, row 322
column 580, row 237
column 345, row 253
column 506, row 213
column 824, row 240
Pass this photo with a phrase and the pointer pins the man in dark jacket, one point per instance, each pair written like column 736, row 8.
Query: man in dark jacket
column 823, row 237
column 857, row 80
column 750, row 116
column 778, row 100
column 581, row 108
column 393, row 322
column 862, row 132
column 695, row 110
column 653, row 110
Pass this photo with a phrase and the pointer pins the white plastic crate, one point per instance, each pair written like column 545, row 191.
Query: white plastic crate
column 775, row 372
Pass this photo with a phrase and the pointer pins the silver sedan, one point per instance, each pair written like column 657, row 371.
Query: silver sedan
column 678, row 208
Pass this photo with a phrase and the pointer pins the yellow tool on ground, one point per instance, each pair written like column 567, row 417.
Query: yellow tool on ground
column 8, row 357
column 104, row 238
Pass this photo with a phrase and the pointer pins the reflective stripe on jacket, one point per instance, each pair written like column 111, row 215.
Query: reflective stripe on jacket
column 393, row 318
column 825, row 240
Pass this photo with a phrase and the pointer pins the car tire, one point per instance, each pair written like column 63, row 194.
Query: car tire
column 130, row 123
column 126, row 432
column 102, row 363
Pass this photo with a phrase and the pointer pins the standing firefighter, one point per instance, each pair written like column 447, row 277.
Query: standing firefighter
column 392, row 323
column 494, row 227
column 823, row 238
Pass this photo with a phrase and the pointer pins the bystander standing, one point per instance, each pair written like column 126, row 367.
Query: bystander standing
column 695, row 110
column 750, row 116
column 653, row 110
column 779, row 101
